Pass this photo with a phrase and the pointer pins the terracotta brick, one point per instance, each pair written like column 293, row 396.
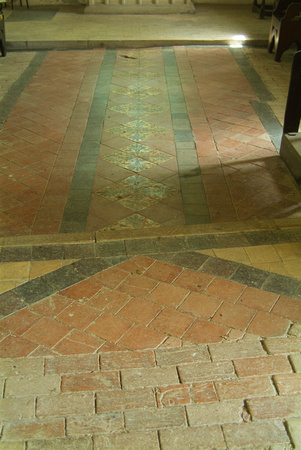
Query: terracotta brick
column 278, row 346
column 155, row 418
column 140, row 311
column 109, row 301
column 178, row 439
column 168, row 295
column 257, row 299
column 173, row 395
column 194, row 281
column 289, row 308
column 138, row 262
column 109, row 327
column 244, row 388
column 200, row 305
column 288, row 384
column 235, row 316
column 21, row 366
column 47, row 332
column 268, row 325
column 78, row 316
column 171, row 342
column 51, row 306
column 190, row 373
column 65, row 443
column 65, row 404
column 176, row 356
column 72, row 364
column 203, row 392
column 111, row 277
column 204, row 332
column 20, row 321
column 255, row 435
column 17, row 408
column 215, row 413
column 103, row 423
column 125, row 399
column 172, row 322
column 68, row 347
column 225, row 289
column 262, row 366
column 82, row 291
column 127, row 360
column 163, row 272
column 32, row 385
column 90, row 381
column 34, row 429
column 140, row 337
column 16, row 347
column 158, row 376
column 128, row 441
column 236, row 350
column 275, row 407
column 137, row 286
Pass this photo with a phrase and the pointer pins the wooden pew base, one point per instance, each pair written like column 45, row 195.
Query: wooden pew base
column 290, row 152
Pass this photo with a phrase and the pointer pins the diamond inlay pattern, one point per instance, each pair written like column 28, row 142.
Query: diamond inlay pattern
column 137, row 130
column 137, row 192
column 138, row 109
column 138, row 91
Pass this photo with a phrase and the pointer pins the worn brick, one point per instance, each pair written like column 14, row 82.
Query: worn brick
column 175, row 356
column 296, row 362
column 277, row 346
column 12, row 445
column 65, row 443
column 155, row 418
column 34, row 429
column 125, row 399
column 72, row 364
column 32, row 385
column 90, row 381
column 173, row 395
column 21, row 366
column 288, row 384
column 236, row 350
column 17, row 408
column 190, row 373
column 203, row 392
column 102, row 423
column 192, row 438
column 127, row 360
column 273, row 407
column 261, row 434
column 215, row 413
column 65, row 404
column 128, row 441
column 245, row 388
column 264, row 365
column 294, row 428
column 149, row 377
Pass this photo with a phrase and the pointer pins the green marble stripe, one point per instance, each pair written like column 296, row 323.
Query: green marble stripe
column 192, row 188
column 78, row 202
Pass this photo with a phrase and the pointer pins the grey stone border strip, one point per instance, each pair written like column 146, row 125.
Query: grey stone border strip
column 192, row 187
column 10, row 98
column 183, row 251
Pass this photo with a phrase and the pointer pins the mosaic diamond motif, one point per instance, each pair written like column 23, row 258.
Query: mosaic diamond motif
column 137, row 192
column 137, row 109
column 128, row 161
column 133, row 222
column 136, row 73
column 141, row 93
column 142, row 151
column 137, row 130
